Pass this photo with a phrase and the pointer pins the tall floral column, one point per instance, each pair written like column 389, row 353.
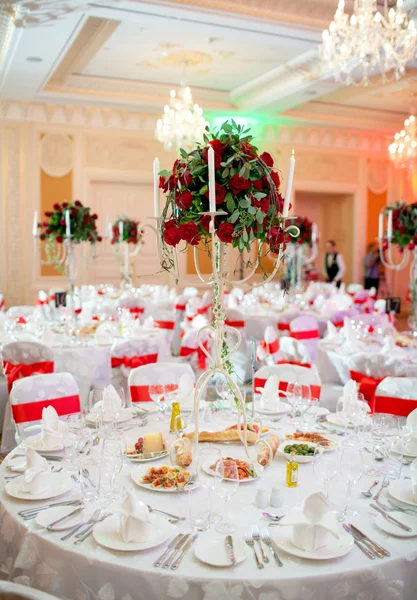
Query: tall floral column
column 126, row 237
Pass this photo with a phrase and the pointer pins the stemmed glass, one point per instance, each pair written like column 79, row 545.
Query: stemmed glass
column 351, row 468
column 109, row 413
column 208, row 458
column 112, row 463
column 325, row 465
column 157, row 394
column 224, row 392
column 226, row 485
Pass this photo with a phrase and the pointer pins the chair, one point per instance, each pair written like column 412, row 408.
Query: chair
column 2, row 303
column 306, row 330
column 15, row 312
column 24, row 358
column 129, row 354
column 164, row 373
column 396, row 396
column 354, row 288
column 16, row 591
column 30, row 395
column 191, row 350
column 290, row 374
column 268, row 349
column 134, row 304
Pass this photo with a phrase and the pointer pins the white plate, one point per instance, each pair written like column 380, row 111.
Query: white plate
column 317, row 411
column 136, row 459
column 107, row 534
column 46, row 517
column 299, row 459
column 213, row 473
column 284, row 408
column 338, row 547
column 394, row 530
column 401, row 490
column 36, row 442
column 334, row 419
column 215, row 553
column 60, row 483
column 138, row 472
column 124, row 415
column 334, row 442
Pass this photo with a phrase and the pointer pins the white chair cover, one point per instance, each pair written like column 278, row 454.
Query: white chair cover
column 15, row 312
column 401, row 388
column 306, row 325
column 163, row 373
column 146, row 348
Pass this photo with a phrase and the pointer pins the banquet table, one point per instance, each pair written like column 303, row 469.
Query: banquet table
column 33, row 556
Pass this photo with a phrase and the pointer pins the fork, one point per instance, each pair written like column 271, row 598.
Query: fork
column 266, row 538
column 84, row 535
column 77, row 527
column 257, row 537
column 385, row 484
column 251, row 543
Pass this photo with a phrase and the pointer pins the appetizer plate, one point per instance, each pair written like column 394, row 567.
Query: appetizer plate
column 138, row 472
column 107, row 534
column 401, row 490
column 59, row 483
column 298, row 458
column 332, row 440
column 212, row 472
column 338, row 547
column 214, row 552
column 138, row 458
column 394, row 530
column 46, row 517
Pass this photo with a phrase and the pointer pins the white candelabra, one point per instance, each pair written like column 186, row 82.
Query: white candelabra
column 299, row 256
column 124, row 255
column 218, row 280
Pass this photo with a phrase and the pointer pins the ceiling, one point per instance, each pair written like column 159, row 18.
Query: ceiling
column 250, row 58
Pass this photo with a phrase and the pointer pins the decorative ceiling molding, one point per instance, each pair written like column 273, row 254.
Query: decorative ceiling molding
column 332, row 139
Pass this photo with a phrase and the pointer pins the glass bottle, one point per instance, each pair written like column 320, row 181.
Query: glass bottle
column 292, row 471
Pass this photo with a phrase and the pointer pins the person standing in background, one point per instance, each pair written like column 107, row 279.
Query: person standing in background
column 372, row 267
column 334, row 265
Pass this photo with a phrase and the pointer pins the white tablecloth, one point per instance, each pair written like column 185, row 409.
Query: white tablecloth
column 86, row 572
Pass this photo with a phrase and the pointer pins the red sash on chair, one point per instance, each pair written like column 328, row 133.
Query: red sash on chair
column 180, row 307
column 136, row 311
column 394, row 406
column 367, row 386
column 2, row 304
column 294, row 362
column 164, row 324
column 131, row 362
column 260, row 383
column 201, row 357
column 203, row 309
column 283, row 326
column 360, row 300
column 338, row 324
column 312, row 334
column 32, row 411
column 15, row 372
column 237, row 324
column 270, row 347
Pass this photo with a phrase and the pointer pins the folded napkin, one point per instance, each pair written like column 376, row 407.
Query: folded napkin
column 53, row 429
column 390, row 348
column 350, row 396
column 293, row 350
column 135, row 524
column 332, row 331
column 269, row 396
column 36, row 475
column 110, row 404
column 314, row 524
column 186, row 391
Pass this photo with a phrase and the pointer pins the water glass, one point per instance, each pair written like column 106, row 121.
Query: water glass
column 394, row 456
column 207, row 460
column 89, row 474
column 199, row 511
column 226, row 485
column 351, row 468
column 112, row 455
column 156, row 393
column 325, row 465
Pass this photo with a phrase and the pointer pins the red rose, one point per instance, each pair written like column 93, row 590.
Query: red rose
column 184, row 200
column 248, row 149
column 77, row 203
column 205, row 222
column 56, row 206
column 48, row 213
column 220, row 193
column 402, row 229
column 257, row 185
column 218, row 147
column 59, row 239
column 64, row 204
column 415, row 239
column 217, row 159
column 385, row 245
column 186, row 178
column 300, row 241
column 267, row 158
column 172, row 233
column 99, row 238
column 62, row 222
column 189, row 233
column 263, row 204
column 94, row 216
column 401, row 250
column 87, row 220
column 163, row 184
column 411, row 246
column 44, row 224
column 73, row 212
column 275, row 178
column 225, row 232
column 133, row 232
column 275, row 237
column 238, row 184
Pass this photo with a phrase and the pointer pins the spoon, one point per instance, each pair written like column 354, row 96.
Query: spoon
column 368, row 493
column 273, row 517
column 96, row 441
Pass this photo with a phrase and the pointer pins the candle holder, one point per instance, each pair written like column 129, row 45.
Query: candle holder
column 125, row 231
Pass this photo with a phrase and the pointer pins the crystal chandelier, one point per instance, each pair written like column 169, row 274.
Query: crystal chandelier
column 182, row 124
column 368, row 43
column 403, row 150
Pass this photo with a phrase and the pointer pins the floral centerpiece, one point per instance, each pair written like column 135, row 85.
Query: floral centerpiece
column 126, row 230
column 247, row 194
column 82, row 224
column 305, row 227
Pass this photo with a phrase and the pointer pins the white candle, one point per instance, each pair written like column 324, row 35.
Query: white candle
column 288, row 191
column 212, row 180
column 314, row 233
column 120, row 231
column 389, row 231
column 381, row 226
column 106, row 228
column 35, row 223
column 67, row 223
column 156, row 169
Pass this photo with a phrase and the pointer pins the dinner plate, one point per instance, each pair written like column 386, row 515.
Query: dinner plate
column 137, row 459
column 107, row 534
column 334, row 419
column 298, row 458
column 395, row 530
column 317, row 410
column 338, row 547
column 60, row 483
column 212, row 472
column 401, row 490
column 48, row 516
column 283, row 408
column 124, row 415
column 214, row 552
column 138, row 472
column 36, row 442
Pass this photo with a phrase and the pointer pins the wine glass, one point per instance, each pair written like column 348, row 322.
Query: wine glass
column 325, row 465
column 342, row 415
column 112, row 463
column 226, row 483
column 352, row 468
column 156, row 393
column 224, row 392
column 207, row 461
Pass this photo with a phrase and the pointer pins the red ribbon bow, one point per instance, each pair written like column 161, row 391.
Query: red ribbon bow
column 201, row 357
column 203, row 309
column 394, row 406
column 367, row 386
column 131, row 362
column 260, row 383
column 305, row 335
column 270, row 347
column 237, row 324
column 136, row 310
column 32, row 411
column 15, row 372
column 180, row 307
column 283, row 326
column 164, row 324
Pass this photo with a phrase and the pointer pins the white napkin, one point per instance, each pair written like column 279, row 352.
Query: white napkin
column 269, row 396
column 53, row 429
column 389, row 348
column 35, row 477
column 291, row 349
column 135, row 525
column 350, row 396
column 111, row 403
column 105, row 333
column 148, row 323
column 314, row 524
column 332, row 332
column 186, row 391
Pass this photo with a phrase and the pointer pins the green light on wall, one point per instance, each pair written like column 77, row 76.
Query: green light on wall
column 247, row 122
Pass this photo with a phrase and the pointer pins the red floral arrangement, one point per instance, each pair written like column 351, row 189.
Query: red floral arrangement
column 82, row 223
column 131, row 233
column 404, row 225
column 247, row 190
column 305, row 227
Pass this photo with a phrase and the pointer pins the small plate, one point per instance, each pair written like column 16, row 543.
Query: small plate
column 214, row 552
column 300, row 459
column 213, row 473
column 60, row 483
column 401, row 490
column 107, row 534
column 334, row 419
column 138, row 472
column 394, row 530
column 339, row 547
column 284, row 408
column 46, row 517
column 318, row 411
column 138, row 459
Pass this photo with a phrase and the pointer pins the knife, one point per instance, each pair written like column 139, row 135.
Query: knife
column 365, row 550
column 229, row 547
column 170, row 546
column 389, row 518
column 184, row 551
column 410, row 510
column 365, row 542
column 50, row 527
column 377, row 546
column 176, row 549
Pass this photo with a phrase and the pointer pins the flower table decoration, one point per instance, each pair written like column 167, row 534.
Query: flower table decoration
column 302, row 251
column 224, row 192
column 126, row 231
